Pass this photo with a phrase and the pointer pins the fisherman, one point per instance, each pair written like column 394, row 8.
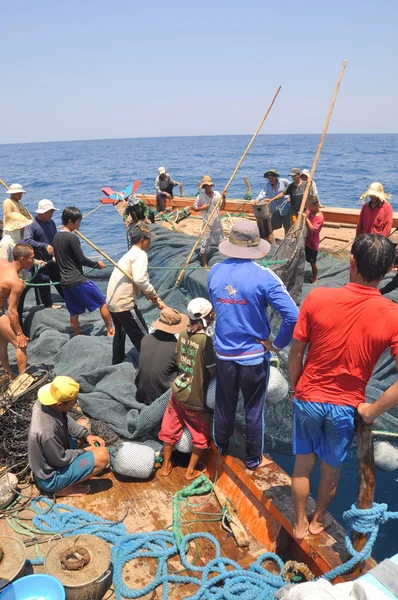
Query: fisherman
column 240, row 291
column 345, row 331
column 136, row 210
column 11, row 287
column 80, row 293
column 314, row 219
column 274, row 192
column 12, row 205
column 187, row 406
column 295, row 191
column 40, row 235
column 58, row 460
column 305, row 175
column 122, row 293
column 205, row 203
column 16, row 223
column 376, row 215
column 164, row 185
column 157, row 365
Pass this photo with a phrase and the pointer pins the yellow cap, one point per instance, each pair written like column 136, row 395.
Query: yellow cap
column 62, row 389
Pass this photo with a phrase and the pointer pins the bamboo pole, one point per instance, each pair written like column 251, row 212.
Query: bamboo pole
column 225, row 190
column 4, row 184
column 108, row 258
column 318, row 152
column 367, row 478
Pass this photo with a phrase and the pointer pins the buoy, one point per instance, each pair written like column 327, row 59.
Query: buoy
column 133, row 460
column 386, row 456
column 278, row 387
column 184, row 444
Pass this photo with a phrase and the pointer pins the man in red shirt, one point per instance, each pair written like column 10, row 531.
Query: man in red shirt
column 376, row 215
column 345, row 330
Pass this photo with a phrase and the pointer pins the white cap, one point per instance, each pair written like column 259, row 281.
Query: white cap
column 44, row 206
column 16, row 188
column 162, row 170
column 306, row 172
column 199, row 307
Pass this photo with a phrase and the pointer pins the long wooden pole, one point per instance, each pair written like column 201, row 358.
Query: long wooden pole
column 318, row 152
column 367, row 478
column 108, row 258
column 225, row 190
column 4, row 184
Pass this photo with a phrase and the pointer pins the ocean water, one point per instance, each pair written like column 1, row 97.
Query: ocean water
column 73, row 173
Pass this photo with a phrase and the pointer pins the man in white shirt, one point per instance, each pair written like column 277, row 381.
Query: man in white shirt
column 164, row 185
column 205, row 203
column 122, row 293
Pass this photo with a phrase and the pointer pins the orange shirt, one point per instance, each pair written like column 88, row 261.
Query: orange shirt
column 347, row 330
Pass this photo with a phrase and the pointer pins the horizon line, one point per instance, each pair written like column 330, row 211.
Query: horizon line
column 157, row 137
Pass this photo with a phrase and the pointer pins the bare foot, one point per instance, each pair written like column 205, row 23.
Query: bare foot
column 299, row 532
column 166, row 469
column 316, row 527
column 77, row 489
column 314, row 282
column 192, row 475
column 110, row 333
column 55, row 306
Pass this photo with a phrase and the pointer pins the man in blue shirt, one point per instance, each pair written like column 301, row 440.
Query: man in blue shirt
column 279, row 202
column 240, row 291
column 40, row 236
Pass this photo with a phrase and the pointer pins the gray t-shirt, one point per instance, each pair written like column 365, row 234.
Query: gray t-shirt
column 48, row 441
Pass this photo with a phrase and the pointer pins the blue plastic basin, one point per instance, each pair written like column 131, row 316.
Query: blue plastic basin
column 34, row 587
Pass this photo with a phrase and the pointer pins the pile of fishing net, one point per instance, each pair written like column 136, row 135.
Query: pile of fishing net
column 108, row 393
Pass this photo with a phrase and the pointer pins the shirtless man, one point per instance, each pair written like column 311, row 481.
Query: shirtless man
column 11, row 287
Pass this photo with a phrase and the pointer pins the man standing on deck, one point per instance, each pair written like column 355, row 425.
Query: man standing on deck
column 346, row 332
column 240, row 291
column 40, row 235
column 122, row 293
column 205, row 203
column 376, row 216
column 295, row 191
column 80, row 293
column 11, row 287
column 274, row 192
column 164, row 185
column 14, row 205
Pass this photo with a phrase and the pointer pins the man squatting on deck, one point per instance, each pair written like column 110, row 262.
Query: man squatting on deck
column 240, row 291
column 58, row 460
column 80, row 293
column 164, row 185
column 11, row 288
column 187, row 406
column 345, row 333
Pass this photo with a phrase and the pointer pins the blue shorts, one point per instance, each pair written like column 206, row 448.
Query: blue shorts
column 79, row 469
column 82, row 297
column 322, row 428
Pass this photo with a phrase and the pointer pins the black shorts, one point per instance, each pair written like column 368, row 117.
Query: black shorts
column 310, row 255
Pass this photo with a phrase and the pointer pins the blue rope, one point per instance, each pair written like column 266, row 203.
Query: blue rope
column 215, row 580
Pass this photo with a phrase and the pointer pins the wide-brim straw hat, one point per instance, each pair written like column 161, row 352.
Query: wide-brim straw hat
column 171, row 321
column 270, row 172
column 376, row 189
column 16, row 188
column 206, row 181
column 16, row 221
column 245, row 242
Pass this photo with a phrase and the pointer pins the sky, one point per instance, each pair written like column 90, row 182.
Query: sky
column 93, row 69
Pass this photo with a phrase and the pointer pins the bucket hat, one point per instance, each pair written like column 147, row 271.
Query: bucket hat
column 171, row 321
column 62, row 389
column 305, row 172
column 44, row 206
column 161, row 170
column 245, row 242
column 15, row 188
column 270, row 172
column 139, row 232
column 206, row 180
column 376, row 189
column 15, row 221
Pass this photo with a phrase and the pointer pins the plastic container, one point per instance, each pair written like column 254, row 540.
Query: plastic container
column 34, row 587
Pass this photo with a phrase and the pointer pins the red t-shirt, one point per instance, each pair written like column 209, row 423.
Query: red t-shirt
column 347, row 330
column 313, row 238
column 375, row 220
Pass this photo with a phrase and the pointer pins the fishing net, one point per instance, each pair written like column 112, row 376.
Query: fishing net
column 108, row 393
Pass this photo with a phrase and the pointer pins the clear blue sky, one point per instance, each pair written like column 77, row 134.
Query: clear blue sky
column 87, row 69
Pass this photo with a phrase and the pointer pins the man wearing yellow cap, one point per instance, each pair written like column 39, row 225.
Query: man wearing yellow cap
column 58, row 462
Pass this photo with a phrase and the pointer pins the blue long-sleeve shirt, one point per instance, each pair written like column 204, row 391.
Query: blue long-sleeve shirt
column 39, row 235
column 282, row 204
column 240, row 292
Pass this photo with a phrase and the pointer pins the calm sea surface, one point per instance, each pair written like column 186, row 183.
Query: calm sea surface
column 73, row 173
